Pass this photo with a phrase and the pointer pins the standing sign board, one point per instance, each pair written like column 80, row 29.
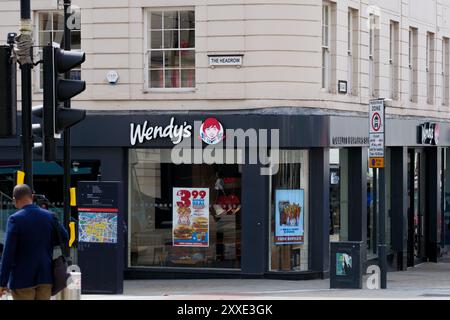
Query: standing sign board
column 100, row 236
column 376, row 133
column 346, row 265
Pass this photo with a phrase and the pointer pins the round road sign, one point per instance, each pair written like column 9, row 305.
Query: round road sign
column 376, row 122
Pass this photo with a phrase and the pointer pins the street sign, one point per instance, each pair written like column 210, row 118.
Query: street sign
column 376, row 134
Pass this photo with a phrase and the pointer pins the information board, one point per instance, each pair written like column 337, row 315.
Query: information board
column 100, row 236
column 376, row 133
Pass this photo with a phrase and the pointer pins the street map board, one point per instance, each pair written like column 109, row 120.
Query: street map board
column 97, row 225
column 100, row 238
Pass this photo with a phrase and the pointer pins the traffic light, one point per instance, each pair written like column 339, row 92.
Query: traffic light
column 8, row 100
column 57, row 90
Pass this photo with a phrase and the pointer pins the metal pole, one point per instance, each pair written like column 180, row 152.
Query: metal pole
column 382, row 230
column 27, row 135
column 67, row 155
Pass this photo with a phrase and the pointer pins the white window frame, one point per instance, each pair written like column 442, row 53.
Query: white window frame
column 37, row 68
column 372, row 26
column 326, row 56
column 146, row 52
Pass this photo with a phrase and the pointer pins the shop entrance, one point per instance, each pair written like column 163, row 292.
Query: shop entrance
column 416, row 206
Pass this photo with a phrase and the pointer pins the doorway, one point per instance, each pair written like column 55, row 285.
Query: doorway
column 416, row 206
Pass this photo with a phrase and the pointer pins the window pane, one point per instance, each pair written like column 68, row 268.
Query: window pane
column 339, row 194
column 188, row 59
column 187, row 39
column 289, row 213
column 156, row 59
column 58, row 37
column 75, row 38
column 172, row 78
column 156, row 20
column 156, row 79
column 187, row 20
column 156, row 39
column 171, row 39
column 171, row 20
column 171, row 58
column 58, row 21
column 44, row 21
column 188, row 78
column 44, row 38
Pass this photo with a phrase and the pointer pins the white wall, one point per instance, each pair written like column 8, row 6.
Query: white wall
column 281, row 43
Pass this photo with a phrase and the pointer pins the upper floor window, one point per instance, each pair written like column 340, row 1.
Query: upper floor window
column 373, row 55
column 429, row 67
column 412, row 64
column 393, row 58
column 352, row 51
column 326, row 46
column 445, row 71
column 170, row 50
column 50, row 28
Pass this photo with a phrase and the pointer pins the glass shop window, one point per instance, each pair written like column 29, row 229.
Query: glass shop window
column 186, row 216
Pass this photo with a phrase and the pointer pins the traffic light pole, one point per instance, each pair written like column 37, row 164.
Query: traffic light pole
column 67, row 153
column 27, row 135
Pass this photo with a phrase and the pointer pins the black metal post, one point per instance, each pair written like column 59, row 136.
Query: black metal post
column 27, row 135
column 67, row 155
column 382, row 230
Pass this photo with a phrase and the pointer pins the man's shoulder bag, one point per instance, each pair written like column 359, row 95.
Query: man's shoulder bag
column 59, row 264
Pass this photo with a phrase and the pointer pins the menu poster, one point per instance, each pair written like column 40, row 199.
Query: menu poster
column 190, row 227
column 289, row 216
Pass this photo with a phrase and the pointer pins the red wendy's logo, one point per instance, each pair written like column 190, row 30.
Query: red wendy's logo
column 211, row 131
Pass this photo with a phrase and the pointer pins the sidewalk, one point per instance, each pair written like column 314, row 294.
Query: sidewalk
column 425, row 281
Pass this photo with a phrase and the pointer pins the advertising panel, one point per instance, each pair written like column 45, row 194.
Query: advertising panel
column 190, row 226
column 289, row 216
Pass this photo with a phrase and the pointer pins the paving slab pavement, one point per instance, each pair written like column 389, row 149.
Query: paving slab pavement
column 425, row 281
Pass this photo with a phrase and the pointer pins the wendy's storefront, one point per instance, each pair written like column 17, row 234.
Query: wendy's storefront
column 205, row 198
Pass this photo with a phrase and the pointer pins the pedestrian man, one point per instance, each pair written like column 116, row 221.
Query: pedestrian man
column 26, row 268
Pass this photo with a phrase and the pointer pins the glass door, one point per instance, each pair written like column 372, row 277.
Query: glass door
column 416, row 210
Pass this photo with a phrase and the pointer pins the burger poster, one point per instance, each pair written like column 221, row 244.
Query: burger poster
column 289, row 215
column 190, row 226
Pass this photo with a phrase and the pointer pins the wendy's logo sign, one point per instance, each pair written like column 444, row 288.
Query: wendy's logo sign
column 211, row 131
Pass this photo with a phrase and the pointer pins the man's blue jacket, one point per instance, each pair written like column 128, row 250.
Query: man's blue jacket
column 28, row 252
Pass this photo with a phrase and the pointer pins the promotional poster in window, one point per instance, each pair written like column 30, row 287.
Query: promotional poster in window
column 190, row 217
column 289, row 214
